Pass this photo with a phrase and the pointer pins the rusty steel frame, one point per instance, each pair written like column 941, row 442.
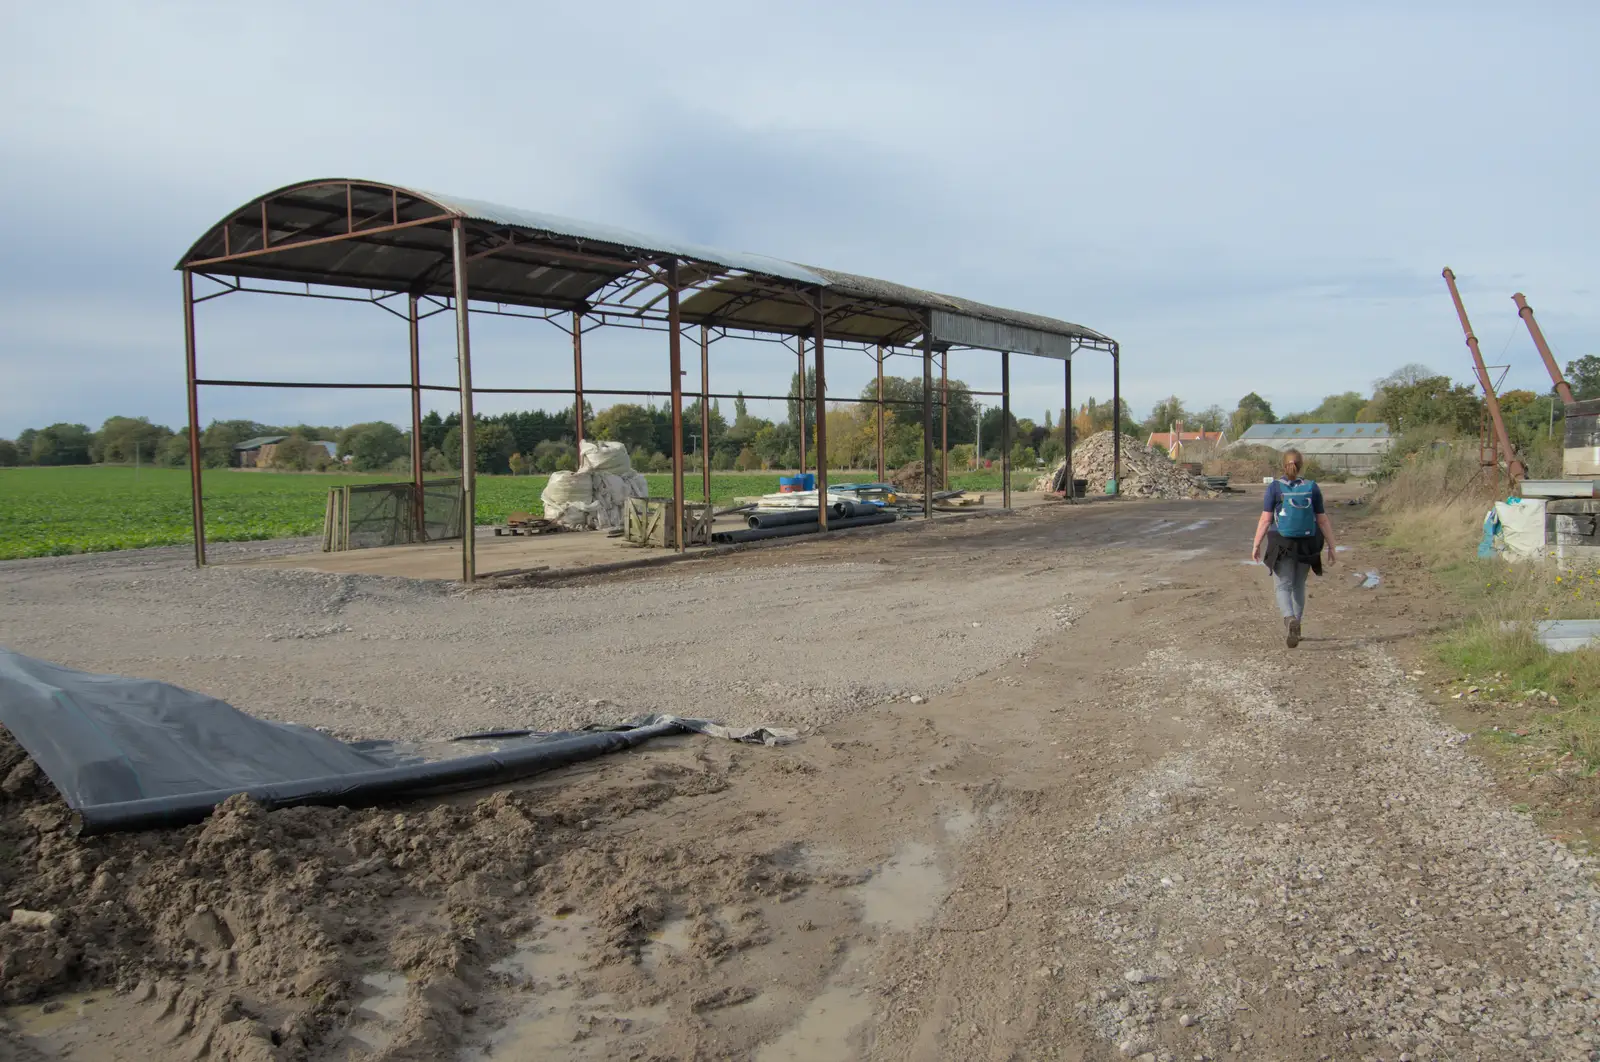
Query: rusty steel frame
column 883, row 473
column 675, row 356
column 1068, row 416
column 1514, row 467
column 633, row 276
column 196, row 498
column 705, row 412
column 469, row 449
column 1005, row 429
column 415, row 336
column 818, row 341
column 944, row 419
column 1116, row 416
column 1524, row 311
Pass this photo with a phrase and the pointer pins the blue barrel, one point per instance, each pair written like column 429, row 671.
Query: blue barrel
column 807, row 481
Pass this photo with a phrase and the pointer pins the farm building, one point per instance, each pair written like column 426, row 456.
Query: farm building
column 257, row 452
column 1354, row 448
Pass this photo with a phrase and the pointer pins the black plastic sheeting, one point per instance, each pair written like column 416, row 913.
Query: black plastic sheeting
column 811, row 527
column 840, row 510
column 131, row 754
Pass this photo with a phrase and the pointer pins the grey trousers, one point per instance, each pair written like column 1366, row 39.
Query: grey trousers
column 1290, row 576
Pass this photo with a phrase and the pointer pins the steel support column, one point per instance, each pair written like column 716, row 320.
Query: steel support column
column 675, row 356
column 705, row 411
column 1005, row 429
column 944, row 420
column 800, row 395
column 197, row 505
column 1116, row 415
column 1066, row 433
column 469, row 451
column 1514, row 467
column 1526, row 313
column 418, row 523
column 577, row 379
column 883, row 472
column 927, row 417
column 822, row 421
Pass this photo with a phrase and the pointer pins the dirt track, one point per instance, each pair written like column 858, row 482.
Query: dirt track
column 1122, row 824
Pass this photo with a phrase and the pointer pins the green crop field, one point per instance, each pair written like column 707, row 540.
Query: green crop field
column 46, row 512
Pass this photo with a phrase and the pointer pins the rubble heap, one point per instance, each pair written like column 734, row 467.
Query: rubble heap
column 910, row 479
column 1147, row 472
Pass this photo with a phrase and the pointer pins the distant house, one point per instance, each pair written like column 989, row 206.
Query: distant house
column 1175, row 441
column 1355, row 448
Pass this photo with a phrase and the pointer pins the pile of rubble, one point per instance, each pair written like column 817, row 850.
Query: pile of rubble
column 910, row 479
column 1147, row 472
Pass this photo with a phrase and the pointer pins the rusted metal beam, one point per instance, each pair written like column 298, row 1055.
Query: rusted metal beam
column 416, row 415
column 927, row 420
column 1502, row 439
column 1526, row 313
column 819, row 338
column 944, row 420
column 577, row 379
column 1066, row 432
column 883, row 472
column 800, row 394
column 196, row 502
column 1005, row 429
column 1116, row 415
column 675, row 356
column 469, row 450
column 705, row 412
column 275, row 248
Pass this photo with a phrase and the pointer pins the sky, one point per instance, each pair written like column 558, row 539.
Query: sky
column 1247, row 196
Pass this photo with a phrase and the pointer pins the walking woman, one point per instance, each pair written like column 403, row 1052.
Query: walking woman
column 1296, row 531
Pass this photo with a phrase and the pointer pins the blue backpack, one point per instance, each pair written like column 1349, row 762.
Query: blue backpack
column 1295, row 516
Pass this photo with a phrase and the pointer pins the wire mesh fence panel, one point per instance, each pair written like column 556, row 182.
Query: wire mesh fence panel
column 366, row 515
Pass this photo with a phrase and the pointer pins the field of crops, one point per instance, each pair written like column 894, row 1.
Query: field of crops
column 47, row 512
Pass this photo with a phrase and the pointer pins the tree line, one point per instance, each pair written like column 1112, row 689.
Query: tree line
column 1412, row 396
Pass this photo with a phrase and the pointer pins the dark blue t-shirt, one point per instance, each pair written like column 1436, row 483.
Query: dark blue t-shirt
column 1274, row 494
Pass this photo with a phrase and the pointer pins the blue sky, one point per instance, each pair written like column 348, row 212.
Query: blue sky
column 1249, row 196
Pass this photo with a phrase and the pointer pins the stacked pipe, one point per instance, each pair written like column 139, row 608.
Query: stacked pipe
column 842, row 515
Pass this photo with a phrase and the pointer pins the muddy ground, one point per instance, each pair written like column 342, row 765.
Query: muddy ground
column 1119, row 819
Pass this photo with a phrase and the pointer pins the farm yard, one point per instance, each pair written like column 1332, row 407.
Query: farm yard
column 51, row 512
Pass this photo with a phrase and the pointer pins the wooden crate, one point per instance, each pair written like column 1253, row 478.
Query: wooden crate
column 649, row 523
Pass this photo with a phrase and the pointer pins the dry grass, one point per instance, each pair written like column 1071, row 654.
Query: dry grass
column 1432, row 506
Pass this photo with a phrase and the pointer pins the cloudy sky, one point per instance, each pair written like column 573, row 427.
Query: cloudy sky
column 1249, row 196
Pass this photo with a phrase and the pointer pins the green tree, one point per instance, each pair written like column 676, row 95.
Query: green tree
column 632, row 425
column 373, row 445
column 1212, row 418
column 62, row 444
column 1166, row 413
column 25, row 439
column 174, row 451
column 1583, row 376
column 992, row 423
column 517, row 463
column 1252, row 410
column 123, row 440
column 1342, row 408
column 547, row 455
column 9, row 457
column 1427, row 400
column 747, row 461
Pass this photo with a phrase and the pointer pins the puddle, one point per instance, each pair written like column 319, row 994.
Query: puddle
column 906, row 891
column 671, row 939
column 1369, row 580
column 31, row 1020
column 823, row 1032
column 1196, row 526
column 377, row 1016
column 558, row 1020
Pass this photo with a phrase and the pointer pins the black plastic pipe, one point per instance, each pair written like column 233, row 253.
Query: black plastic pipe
column 756, row 534
column 371, row 787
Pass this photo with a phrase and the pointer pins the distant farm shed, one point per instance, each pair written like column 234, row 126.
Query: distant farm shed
column 1354, row 448
column 257, row 452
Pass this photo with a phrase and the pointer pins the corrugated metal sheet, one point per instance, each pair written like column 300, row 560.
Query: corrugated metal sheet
column 1262, row 432
column 412, row 259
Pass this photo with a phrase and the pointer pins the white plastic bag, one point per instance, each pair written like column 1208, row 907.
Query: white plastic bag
column 1522, row 528
column 568, row 499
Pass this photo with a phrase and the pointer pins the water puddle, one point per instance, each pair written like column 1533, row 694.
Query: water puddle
column 671, row 939
column 824, row 1030
column 33, row 1020
column 906, row 891
column 378, row 1015
column 559, row 1021
column 1196, row 526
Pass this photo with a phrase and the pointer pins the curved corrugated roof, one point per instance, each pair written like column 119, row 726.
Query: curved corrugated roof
column 385, row 237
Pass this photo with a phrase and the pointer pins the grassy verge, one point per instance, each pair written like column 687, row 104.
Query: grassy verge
column 1534, row 714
